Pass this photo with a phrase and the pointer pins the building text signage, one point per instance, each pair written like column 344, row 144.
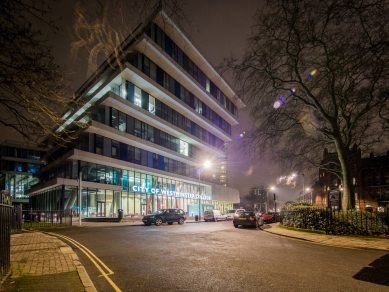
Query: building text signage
column 169, row 193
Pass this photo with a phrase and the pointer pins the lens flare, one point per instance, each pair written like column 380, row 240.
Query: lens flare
column 313, row 72
column 279, row 102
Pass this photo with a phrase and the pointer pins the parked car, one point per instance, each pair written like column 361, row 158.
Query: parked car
column 214, row 215
column 230, row 214
column 165, row 215
column 268, row 218
column 248, row 218
column 237, row 211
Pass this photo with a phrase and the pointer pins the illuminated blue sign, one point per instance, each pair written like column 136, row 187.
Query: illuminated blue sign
column 169, row 193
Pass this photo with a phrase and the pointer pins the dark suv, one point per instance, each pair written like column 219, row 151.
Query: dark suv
column 165, row 215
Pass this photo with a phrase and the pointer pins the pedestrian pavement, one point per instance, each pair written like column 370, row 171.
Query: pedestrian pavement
column 41, row 262
column 355, row 242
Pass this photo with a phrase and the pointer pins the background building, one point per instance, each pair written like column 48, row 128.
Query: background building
column 370, row 177
column 18, row 163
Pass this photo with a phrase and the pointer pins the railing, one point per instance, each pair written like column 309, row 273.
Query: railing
column 45, row 218
column 332, row 221
column 6, row 213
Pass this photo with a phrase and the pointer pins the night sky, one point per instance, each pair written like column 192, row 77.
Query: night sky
column 220, row 28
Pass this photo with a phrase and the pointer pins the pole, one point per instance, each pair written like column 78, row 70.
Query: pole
column 79, row 198
column 275, row 205
column 303, row 188
column 199, row 196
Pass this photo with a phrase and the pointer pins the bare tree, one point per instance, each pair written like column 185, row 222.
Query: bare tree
column 315, row 75
column 32, row 89
column 103, row 28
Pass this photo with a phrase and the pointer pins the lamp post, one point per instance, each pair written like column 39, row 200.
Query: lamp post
column 205, row 165
column 79, row 198
column 274, row 199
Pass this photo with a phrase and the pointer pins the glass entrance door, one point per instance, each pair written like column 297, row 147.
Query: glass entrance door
column 100, row 209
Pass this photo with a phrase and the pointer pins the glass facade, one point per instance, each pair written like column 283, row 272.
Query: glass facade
column 168, row 114
column 163, row 41
column 175, row 88
column 133, row 126
column 142, row 194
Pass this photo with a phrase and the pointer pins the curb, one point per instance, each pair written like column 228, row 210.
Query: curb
column 84, row 277
column 328, row 243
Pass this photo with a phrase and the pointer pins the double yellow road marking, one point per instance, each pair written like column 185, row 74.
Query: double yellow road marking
column 105, row 271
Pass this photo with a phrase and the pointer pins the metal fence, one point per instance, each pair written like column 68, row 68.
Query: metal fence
column 44, row 218
column 6, row 214
column 338, row 221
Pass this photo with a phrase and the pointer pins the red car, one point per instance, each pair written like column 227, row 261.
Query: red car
column 268, row 218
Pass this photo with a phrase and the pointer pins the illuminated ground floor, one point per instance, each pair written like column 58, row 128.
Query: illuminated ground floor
column 106, row 203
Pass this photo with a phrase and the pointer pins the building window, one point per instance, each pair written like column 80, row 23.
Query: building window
column 18, row 166
column 32, row 167
column 369, row 179
column 377, row 179
column 99, row 145
column 207, row 84
column 386, row 177
column 184, row 147
column 138, row 97
column 152, row 104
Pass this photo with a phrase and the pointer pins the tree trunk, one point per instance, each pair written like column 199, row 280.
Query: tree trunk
column 348, row 198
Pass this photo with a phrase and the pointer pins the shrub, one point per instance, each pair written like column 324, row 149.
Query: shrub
column 350, row 222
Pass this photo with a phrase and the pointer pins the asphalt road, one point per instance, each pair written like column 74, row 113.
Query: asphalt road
column 215, row 256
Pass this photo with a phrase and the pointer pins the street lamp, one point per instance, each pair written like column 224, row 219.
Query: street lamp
column 205, row 165
column 275, row 203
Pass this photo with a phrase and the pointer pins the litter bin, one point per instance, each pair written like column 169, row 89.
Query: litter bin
column 196, row 217
column 120, row 213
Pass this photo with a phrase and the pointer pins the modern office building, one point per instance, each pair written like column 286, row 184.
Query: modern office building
column 153, row 114
column 18, row 164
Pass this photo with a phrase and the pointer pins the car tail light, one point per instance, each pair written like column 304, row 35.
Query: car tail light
column 251, row 218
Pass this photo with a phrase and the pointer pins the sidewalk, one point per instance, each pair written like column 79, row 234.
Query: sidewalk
column 356, row 242
column 41, row 262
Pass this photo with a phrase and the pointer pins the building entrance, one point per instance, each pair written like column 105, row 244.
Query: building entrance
column 100, row 209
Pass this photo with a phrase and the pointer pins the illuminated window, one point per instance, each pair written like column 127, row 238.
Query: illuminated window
column 207, row 85
column 152, row 104
column 184, row 148
column 138, row 97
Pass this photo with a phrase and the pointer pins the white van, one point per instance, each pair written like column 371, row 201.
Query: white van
column 214, row 215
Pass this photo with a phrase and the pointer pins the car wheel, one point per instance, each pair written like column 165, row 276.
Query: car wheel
column 236, row 225
column 170, row 223
column 181, row 221
column 158, row 221
column 147, row 224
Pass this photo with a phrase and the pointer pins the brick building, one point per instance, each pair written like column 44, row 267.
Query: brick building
column 370, row 178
